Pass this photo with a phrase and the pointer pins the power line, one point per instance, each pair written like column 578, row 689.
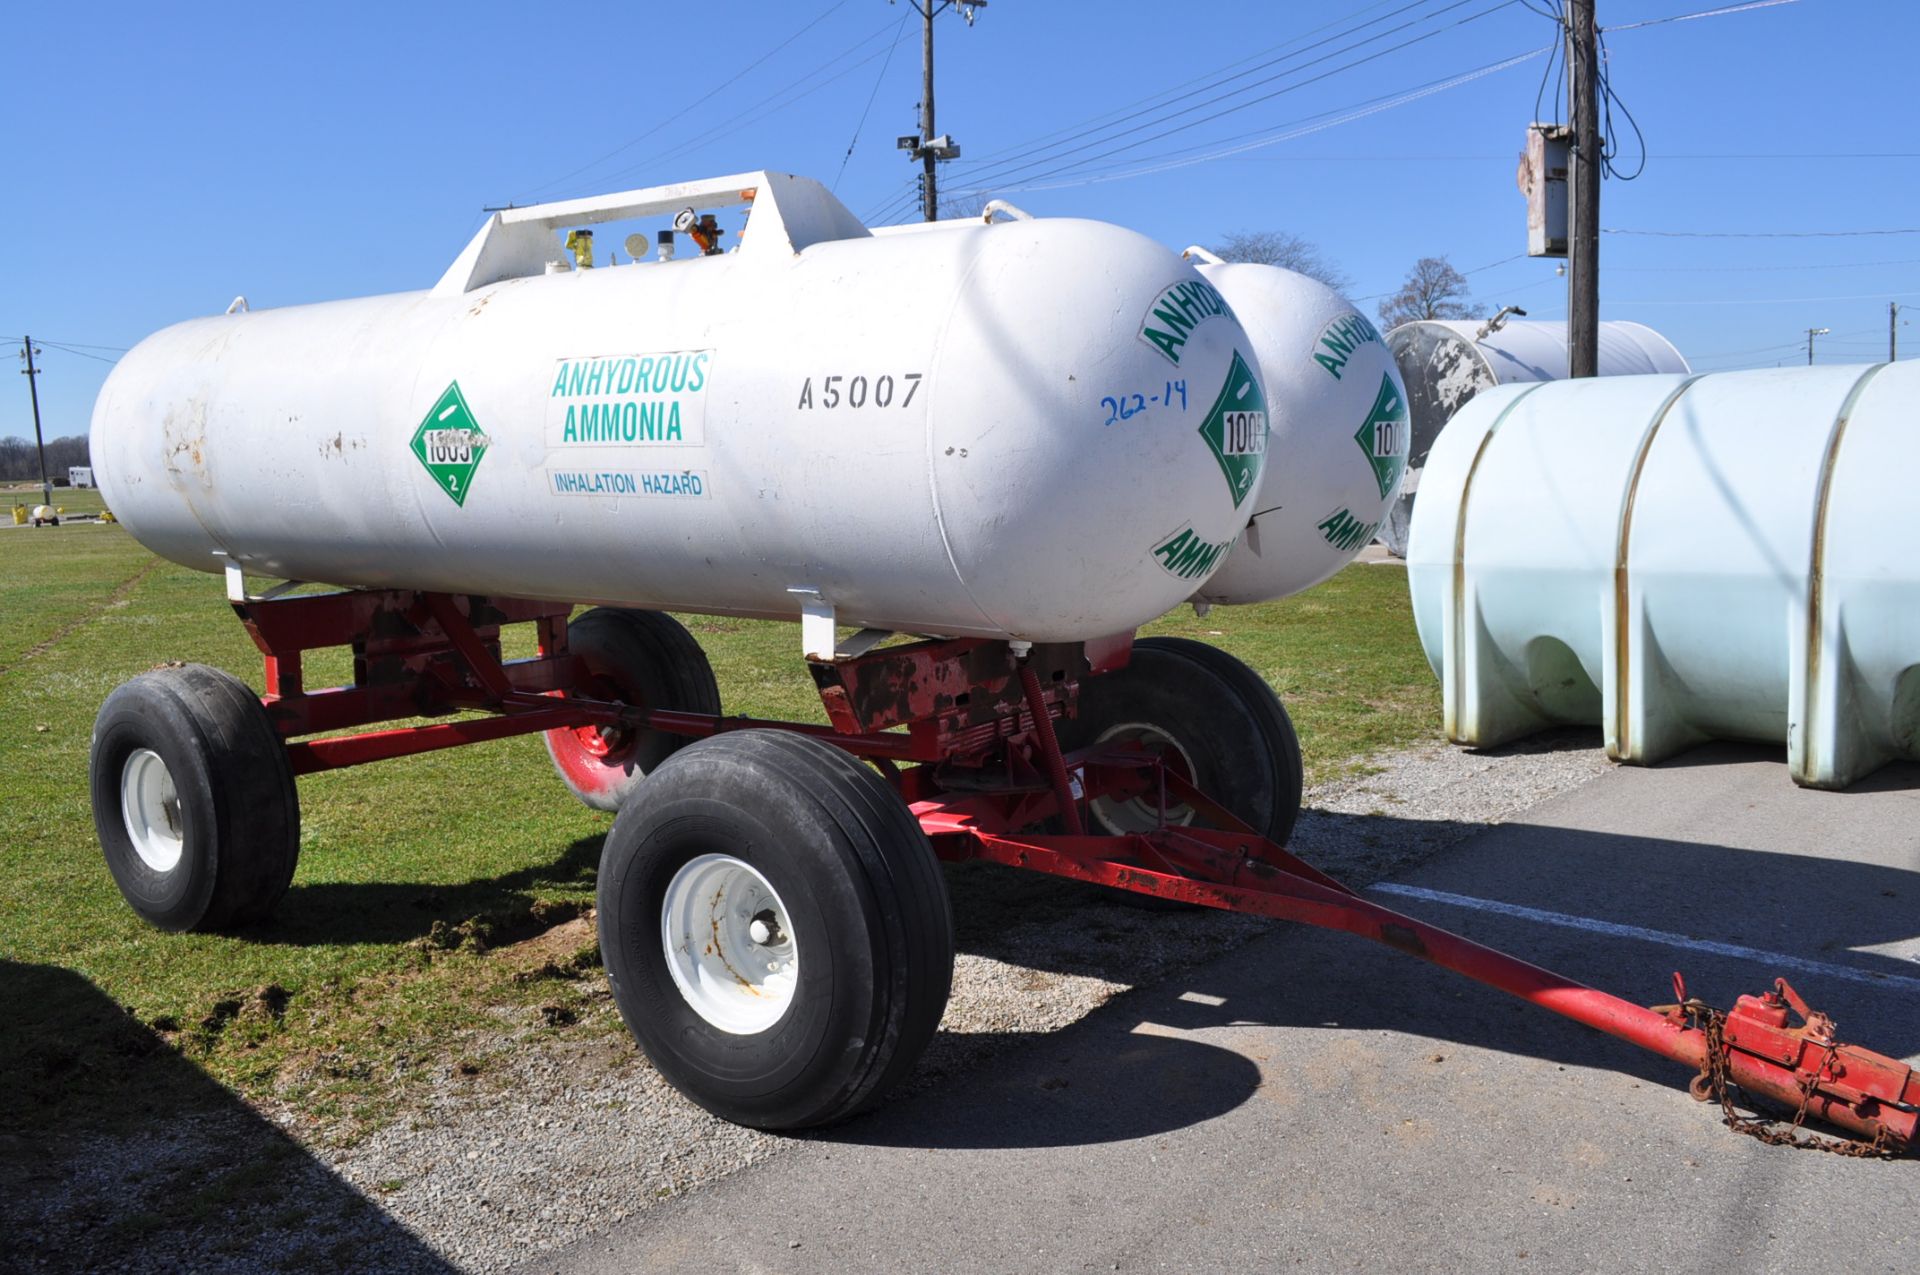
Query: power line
column 990, row 170
column 84, row 345
column 70, row 350
column 1756, row 234
column 1852, row 296
column 868, row 108
column 1169, row 97
column 1317, row 122
column 684, row 111
column 1041, row 180
column 1435, row 157
column 1837, row 265
column 1008, row 170
column 1764, row 349
column 1721, row 12
column 779, row 100
column 1476, row 270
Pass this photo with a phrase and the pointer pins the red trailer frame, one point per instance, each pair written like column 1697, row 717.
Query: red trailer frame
column 963, row 728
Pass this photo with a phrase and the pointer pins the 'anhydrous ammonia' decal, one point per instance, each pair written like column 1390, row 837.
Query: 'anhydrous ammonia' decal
column 1188, row 556
column 450, row 443
column 1176, row 312
column 1340, row 338
column 1346, row 532
column 629, row 400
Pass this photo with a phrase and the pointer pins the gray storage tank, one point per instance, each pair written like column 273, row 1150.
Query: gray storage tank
column 1445, row 362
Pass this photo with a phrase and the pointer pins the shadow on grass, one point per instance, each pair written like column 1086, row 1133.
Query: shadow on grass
column 492, row 910
column 118, row 1154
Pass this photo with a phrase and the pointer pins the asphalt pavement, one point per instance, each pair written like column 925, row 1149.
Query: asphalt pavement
column 1315, row 1102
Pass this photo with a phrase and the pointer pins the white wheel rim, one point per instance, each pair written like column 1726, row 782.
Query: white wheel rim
column 151, row 807
column 729, row 946
column 1120, row 817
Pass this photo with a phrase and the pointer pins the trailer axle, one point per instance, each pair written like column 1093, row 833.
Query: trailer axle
column 981, row 769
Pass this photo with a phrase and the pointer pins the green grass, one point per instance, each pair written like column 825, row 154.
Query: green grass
column 74, row 500
column 386, row 963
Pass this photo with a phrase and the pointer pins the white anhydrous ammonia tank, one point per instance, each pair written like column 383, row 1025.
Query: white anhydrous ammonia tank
column 1681, row 559
column 1338, row 413
column 910, row 431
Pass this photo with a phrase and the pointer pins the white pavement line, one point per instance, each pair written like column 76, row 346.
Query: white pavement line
column 1800, row 963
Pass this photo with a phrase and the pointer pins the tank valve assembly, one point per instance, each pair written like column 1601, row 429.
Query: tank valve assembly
column 580, row 244
column 1497, row 322
column 703, row 230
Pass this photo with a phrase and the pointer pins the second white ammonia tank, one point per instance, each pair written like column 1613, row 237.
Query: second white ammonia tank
column 1339, row 432
column 1680, row 559
column 909, row 430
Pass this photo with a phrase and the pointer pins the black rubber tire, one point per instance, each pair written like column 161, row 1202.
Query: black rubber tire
column 646, row 658
column 1221, row 714
column 239, row 813
column 866, row 903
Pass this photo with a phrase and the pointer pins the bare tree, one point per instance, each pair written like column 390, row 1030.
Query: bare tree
column 1278, row 248
column 19, row 459
column 963, row 207
column 1433, row 290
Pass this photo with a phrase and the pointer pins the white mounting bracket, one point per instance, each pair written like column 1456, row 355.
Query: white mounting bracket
column 237, row 583
column 816, row 624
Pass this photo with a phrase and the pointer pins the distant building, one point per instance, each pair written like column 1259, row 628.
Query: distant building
column 80, row 476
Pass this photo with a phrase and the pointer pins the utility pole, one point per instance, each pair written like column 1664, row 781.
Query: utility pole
column 1893, row 331
column 1812, row 333
column 32, row 374
column 929, row 189
column 929, row 148
column 1583, row 275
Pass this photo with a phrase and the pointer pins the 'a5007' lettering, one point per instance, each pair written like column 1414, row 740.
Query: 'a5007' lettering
column 885, row 390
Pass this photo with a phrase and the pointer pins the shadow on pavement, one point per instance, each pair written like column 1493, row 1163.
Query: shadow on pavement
column 117, row 1154
column 1836, row 910
column 1133, row 1087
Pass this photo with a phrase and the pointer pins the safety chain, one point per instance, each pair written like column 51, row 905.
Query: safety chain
column 1716, row 1082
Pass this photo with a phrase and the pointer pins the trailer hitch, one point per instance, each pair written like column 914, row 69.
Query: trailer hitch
column 1746, row 1053
column 1752, row 1048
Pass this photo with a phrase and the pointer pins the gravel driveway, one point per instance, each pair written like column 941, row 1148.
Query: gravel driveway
column 555, row 1142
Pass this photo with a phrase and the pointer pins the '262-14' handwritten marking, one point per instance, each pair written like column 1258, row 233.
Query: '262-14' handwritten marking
column 1127, row 406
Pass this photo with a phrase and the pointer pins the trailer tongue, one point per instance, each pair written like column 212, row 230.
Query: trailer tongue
column 1752, row 1048
column 747, row 869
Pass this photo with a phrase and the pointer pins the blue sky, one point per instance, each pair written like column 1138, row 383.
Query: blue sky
column 165, row 158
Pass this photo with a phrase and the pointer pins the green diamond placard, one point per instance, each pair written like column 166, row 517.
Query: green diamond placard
column 1385, row 436
column 1236, row 428
column 450, row 443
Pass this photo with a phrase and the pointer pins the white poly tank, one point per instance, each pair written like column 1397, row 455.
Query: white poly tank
column 1679, row 559
column 1337, row 411
column 909, row 430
